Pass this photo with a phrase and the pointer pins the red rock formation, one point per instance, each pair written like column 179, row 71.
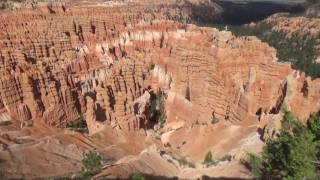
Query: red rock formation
column 50, row 63
column 59, row 57
column 295, row 25
column 105, row 62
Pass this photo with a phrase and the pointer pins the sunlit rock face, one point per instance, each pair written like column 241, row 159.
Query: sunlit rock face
column 54, row 58
column 57, row 63
column 107, row 64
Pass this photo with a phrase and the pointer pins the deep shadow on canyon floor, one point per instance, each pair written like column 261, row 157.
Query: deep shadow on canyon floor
column 243, row 13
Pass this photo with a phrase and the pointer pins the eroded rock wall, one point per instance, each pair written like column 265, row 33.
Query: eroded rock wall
column 57, row 63
column 52, row 61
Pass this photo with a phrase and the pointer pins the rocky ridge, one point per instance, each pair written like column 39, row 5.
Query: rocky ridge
column 102, row 63
column 300, row 25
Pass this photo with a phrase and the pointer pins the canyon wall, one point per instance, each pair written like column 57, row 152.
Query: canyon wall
column 58, row 62
column 52, row 62
column 59, row 59
column 299, row 25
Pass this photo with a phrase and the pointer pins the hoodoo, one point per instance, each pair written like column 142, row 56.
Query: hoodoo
column 136, row 83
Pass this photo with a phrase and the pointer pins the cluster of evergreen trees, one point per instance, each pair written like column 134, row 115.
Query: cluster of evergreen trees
column 80, row 125
column 157, row 109
column 294, row 154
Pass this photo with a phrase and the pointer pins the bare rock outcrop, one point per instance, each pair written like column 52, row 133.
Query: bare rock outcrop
column 299, row 25
column 105, row 62
column 99, row 61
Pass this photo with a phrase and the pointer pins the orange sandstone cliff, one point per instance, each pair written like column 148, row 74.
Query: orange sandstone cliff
column 104, row 61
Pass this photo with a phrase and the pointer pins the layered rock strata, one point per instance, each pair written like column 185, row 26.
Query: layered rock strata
column 98, row 61
column 302, row 26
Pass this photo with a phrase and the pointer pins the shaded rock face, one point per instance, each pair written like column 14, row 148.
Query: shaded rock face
column 245, row 12
column 57, row 63
column 312, row 8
